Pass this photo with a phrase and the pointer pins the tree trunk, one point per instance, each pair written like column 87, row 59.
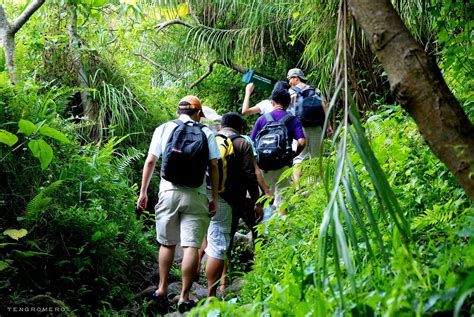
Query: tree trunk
column 418, row 85
column 8, row 31
column 88, row 110
column 8, row 41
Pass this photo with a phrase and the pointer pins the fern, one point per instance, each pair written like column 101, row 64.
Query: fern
column 42, row 200
column 129, row 237
column 439, row 214
column 127, row 159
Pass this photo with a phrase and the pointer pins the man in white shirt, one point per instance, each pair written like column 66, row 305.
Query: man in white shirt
column 182, row 212
column 264, row 106
column 297, row 81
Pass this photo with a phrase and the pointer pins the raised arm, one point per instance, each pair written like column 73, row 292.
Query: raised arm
column 246, row 109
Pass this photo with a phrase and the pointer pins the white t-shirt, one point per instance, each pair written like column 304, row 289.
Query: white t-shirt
column 265, row 106
column 158, row 145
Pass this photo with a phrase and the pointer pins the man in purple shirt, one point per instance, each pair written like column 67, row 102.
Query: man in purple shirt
column 280, row 101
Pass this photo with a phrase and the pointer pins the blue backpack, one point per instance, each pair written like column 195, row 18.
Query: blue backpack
column 309, row 107
column 273, row 144
column 186, row 155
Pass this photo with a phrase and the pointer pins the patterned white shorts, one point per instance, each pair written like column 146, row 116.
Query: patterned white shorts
column 218, row 234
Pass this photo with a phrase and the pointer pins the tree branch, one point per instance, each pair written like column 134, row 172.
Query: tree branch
column 226, row 63
column 158, row 66
column 200, row 79
column 25, row 15
column 161, row 26
column 236, row 67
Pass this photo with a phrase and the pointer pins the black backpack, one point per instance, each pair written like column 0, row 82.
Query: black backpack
column 273, row 144
column 186, row 155
column 309, row 107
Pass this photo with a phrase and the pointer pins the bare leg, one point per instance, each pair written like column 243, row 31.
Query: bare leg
column 224, row 282
column 297, row 175
column 188, row 269
column 214, row 269
column 165, row 260
column 200, row 256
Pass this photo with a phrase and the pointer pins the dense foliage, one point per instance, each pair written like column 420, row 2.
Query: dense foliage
column 433, row 274
column 378, row 227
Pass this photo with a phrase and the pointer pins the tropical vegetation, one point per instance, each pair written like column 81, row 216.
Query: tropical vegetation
column 382, row 221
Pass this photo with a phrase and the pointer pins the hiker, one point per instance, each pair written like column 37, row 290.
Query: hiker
column 183, row 210
column 283, row 127
column 263, row 106
column 237, row 178
column 312, row 130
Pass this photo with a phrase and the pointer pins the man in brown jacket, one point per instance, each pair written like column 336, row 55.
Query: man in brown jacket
column 241, row 178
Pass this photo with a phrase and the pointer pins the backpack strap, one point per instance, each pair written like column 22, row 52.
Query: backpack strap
column 268, row 117
column 308, row 92
column 286, row 118
column 235, row 136
column 178, row 122
column 226, row 140
column 297, row 90
column 195, row 123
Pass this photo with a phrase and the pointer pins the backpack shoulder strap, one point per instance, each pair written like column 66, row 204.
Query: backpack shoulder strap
column 222, row 136
column 308, row 92
column 199, row 124
column 286, row 118
column 297, row 90
column 268, row 117
column 236, row 136
column 178, row 122
column 225, row 138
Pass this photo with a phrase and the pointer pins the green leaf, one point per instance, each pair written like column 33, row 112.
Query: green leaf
column 97, row 3
column 42, row 151
column 3, row 265
column 443, row 35
column 8, row 138
column 26, row 127
column 53, row 133
column 96, row 236
column 15, row 234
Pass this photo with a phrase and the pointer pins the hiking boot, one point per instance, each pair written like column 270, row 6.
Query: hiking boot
column 186, row 306
column 162, row 303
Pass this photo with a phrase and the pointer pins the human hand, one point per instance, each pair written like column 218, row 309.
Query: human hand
column 212, row 208
column 329, row 131
column 142, row 201
column 249, row 88
column 258, row 212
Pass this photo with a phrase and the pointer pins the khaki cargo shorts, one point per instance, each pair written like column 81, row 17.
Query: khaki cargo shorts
column 181, row 217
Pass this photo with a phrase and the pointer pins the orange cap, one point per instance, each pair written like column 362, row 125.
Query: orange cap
column 191, row 102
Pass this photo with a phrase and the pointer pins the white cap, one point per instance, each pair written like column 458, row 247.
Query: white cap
column 211, row 114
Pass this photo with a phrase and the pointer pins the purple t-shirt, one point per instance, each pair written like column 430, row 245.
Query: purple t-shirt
column 295, row 129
